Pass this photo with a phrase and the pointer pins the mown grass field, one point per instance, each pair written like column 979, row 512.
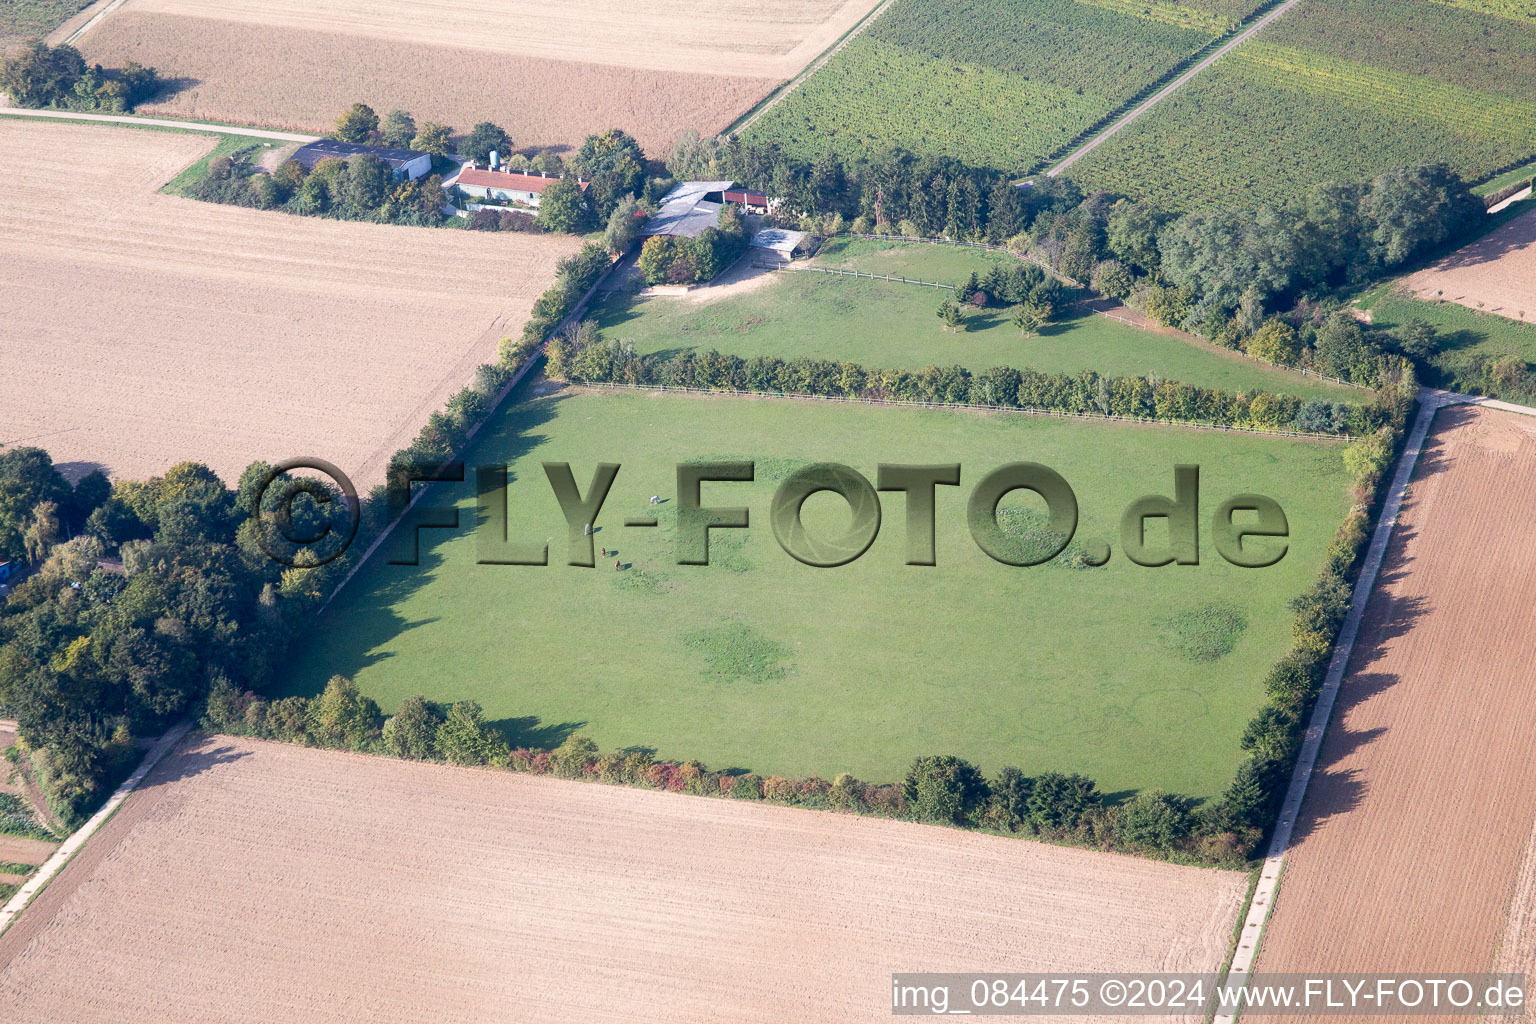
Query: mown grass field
column 999, row 83
column 1139, row 677
column 1335, row 91
column 888, row 324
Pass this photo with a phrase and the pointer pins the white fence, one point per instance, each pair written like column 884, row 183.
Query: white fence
column 856, row 273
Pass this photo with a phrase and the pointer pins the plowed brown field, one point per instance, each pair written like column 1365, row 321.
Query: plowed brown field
column 140, row 329
column 549, row 73
column 255, row 881
column 1496, row 273
column 1410, row 846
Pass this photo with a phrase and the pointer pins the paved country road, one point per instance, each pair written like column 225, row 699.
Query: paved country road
column 189, row 126
column 1238, row 40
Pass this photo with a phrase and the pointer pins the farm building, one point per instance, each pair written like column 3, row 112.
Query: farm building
column 776, row 247
column 501, row 186
column 694, row 206
column 405, row 163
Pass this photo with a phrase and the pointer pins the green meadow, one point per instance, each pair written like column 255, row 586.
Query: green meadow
column 894, row 325
column 1139, row 677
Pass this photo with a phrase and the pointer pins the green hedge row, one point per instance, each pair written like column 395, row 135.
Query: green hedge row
column 581, row 357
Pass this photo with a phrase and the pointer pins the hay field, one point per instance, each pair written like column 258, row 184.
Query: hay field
column 294, row 885
column 1496, row 273
column 1414, row 844
column 143, row 329
column 549, row 73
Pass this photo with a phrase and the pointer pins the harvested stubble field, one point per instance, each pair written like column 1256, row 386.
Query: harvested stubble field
column 548, row 73
column 365, row 889
column 143, row 329
column 1410, row 846
column 1496, row 273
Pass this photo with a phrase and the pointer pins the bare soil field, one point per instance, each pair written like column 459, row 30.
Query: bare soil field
column 141, row 330
column 19, row 850
column 719, row 37
column 1410, row 846
column 1496, row 273
column 295, row 885
column 549, row 73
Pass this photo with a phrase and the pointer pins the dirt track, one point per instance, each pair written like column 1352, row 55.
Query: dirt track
column 1419, row 817
column 264, row 882
column 141, row 330
column 1496, row 273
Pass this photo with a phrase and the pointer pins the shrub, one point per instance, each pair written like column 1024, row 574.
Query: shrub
column 569, row 760
column 1058, row 802
column 466, row 738
column 944, row 788
column 747, row 787
column 1008, row 806
column 341, row 716
column 412, row 731
column 1154, row 820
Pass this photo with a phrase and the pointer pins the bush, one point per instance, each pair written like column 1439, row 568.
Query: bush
column 466, row 738
column 1154, row 820
column 747, row 787
column 944, row 788
column 412, row 731
column 570, row 759
column 1058, row 802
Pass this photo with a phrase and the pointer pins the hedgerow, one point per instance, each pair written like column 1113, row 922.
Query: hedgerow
column 580, row 356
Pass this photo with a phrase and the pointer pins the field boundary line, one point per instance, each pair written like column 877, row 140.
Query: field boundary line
column 748, row 119
column 90, row 23
column 1431, row 402
column 186, row 126
column 55, row 863
column 469, row 435
column 1163, row 93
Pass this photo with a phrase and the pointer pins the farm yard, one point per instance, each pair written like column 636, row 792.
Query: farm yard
column 228, row 335
column 759, row 662
column 996, row 83
column 1415, row 844
column 392, row 891
column 890, row 324
column 564, row 72
column 1333, row 91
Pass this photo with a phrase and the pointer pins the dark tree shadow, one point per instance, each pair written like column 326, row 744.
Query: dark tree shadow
column 372, row 626
column 528, row 731
column 186, row 764
column 172, row 86
column 74, row 472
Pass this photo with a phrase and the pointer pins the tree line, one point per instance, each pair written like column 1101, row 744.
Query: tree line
column 38, row 75
column 942, row 789
column 96, row 651
column 1222, row 274
column 580, row 356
